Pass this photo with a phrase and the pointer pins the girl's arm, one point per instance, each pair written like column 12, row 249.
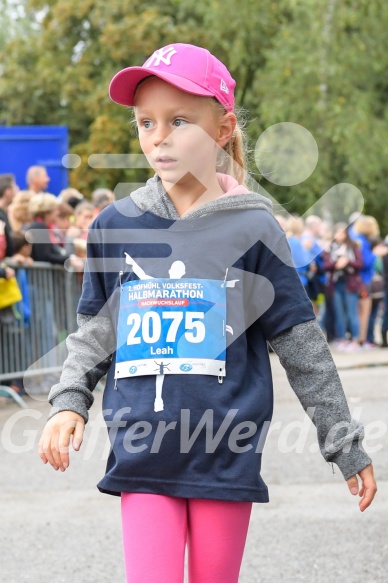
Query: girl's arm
column 290, row 326
column 90, row 350
column 90, row 355
column 306, row 358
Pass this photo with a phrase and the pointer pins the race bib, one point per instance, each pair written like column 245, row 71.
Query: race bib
column 171, row 326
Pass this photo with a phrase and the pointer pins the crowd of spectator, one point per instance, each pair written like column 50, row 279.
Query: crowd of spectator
column 38, row 226
column 344, row 269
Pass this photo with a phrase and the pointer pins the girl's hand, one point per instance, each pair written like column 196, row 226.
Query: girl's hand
column 368, row 488
column 55, row 439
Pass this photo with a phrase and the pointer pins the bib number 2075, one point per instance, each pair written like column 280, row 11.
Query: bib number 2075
column 151, row 326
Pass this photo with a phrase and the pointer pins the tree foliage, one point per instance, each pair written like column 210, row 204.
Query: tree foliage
column 319, row 63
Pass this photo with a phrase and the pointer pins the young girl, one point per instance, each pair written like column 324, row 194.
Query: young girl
column 195, row 275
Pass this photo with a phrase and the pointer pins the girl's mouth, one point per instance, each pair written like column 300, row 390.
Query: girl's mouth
column 165, row 161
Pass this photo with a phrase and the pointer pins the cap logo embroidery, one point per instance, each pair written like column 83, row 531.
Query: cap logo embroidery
column 161, row 55
column 224, row 86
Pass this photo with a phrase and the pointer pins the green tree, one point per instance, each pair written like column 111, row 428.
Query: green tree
column 319, row 63
column 325, row 72
column 60, row 74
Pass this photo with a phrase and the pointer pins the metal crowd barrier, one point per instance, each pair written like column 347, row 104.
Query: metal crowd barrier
column 37, row 346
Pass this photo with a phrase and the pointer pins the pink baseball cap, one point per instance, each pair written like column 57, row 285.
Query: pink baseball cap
column 190, row 68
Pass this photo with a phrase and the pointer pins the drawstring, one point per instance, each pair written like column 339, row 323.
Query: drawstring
column 226, row 275
column 121, row 288
column 158, row 403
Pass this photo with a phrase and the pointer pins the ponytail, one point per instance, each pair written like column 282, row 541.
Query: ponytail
column 236, row 151
column 232, row 160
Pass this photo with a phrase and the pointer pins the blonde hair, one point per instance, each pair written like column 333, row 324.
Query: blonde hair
column 232, row 159
column 41, row 204
column 295, row 227
column 367, row 225
column 20, row 214
column 68, row 193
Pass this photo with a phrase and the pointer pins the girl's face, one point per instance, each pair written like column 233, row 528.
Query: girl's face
column 180, row 134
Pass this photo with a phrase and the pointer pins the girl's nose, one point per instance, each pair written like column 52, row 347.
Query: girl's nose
column 161, row 135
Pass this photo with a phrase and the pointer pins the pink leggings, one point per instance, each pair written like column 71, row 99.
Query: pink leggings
column 155, row 530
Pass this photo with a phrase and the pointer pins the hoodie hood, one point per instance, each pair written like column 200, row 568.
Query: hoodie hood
column 153, row 198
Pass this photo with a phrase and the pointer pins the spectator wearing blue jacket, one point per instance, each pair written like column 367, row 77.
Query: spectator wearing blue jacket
column 300, row 256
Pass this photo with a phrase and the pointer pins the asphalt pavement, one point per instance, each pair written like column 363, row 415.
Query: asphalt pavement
column 57, row 528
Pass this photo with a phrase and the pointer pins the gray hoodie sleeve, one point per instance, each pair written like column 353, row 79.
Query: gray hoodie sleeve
column 90, row 355
column 306, row 358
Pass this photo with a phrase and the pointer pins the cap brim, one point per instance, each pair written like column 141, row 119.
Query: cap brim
column 123, row 85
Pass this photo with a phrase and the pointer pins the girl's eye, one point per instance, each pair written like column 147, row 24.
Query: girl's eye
column 179, row 122
column 146, row 124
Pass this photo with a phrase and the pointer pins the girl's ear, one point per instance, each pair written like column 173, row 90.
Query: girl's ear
column 226, row 128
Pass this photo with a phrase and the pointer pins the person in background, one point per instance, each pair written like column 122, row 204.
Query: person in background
column 281, row 219
column 10, row 178
column 343, row 263
column 365, row 230
column 22, row 256
column 7, row 194
column 19, row 314
column 3, row 241
column 71, row 196
column 37, row 179
column 101, row 198
column 8, row 190
column 384, row 324
column 6, row 272
column 45, row 246
column 62, row 223
column 312, row 243
column 78, row 233
column 352, row 219
column 83, row 217
column 313, row 226
column 377, row 296
column 18, row 213
column 300, row 257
